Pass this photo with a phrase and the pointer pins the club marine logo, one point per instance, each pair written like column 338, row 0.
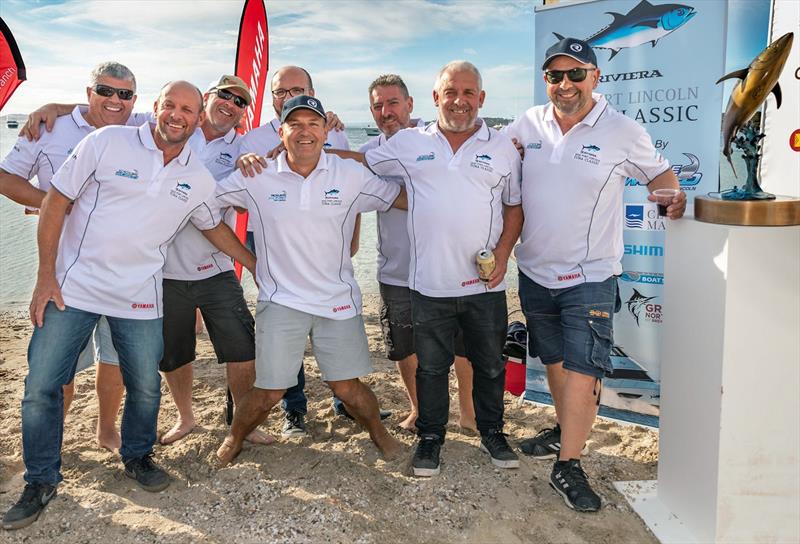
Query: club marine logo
column 643, row 217
column 642, row 307
column 634, row 216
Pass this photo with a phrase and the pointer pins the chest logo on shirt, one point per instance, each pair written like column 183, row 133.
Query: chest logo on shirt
column 484, row 162
column 278, row 197
column 332, row 198
column 132, row 174
column 225, row 159
column 429, row 157
column 326, row 145
column 534, row 145
column 588, row 154
column 181, row 191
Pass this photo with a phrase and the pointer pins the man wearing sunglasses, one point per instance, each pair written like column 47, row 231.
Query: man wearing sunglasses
column 578, row 153
column 111, row 94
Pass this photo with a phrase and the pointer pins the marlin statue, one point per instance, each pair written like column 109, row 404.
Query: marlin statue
column 758, row 80
column 646, row 23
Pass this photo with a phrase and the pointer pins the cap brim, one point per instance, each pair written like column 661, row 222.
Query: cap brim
column 286, row 115
column 551, row 57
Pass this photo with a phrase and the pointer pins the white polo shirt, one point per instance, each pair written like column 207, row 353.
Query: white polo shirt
column 394, row 249
column 303, row 228
column 128, row 208
column 191, row 256
column 455, row 202
column 572, row 192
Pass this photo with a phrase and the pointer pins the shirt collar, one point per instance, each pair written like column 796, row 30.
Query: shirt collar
column 282, row 165
column 80, row 120
column 481, row 134
column 146, row 137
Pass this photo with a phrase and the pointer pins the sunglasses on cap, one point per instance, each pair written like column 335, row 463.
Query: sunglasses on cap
column 227, row 95
column 576, row 75
column 107, row 92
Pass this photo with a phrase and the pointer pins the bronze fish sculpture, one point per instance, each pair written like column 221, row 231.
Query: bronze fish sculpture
column 758, row 80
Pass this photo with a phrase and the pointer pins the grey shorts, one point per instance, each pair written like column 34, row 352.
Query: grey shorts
column 339, row 346
column 104, row 347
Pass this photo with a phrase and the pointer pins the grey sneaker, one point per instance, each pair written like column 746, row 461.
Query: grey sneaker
column 27, row 509
column 147, row 474
column 570, row 481
column 426, row 457
column 294, row 424
column 495, row 444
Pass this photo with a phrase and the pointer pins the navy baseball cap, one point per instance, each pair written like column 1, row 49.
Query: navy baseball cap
column 302, row 102
column 573, row 48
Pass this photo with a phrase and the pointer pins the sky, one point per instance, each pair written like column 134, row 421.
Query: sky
column 344, row 44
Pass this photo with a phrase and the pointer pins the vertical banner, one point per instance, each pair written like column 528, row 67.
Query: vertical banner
column 780, row 162
column 659, row 62
column 12, row 68
column 252, row 63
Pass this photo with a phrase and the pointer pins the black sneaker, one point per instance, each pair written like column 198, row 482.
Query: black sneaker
column 570, row 481
column 147, row 474
column 495, row 444
column 27, row 509
column 546, row 444
column 341, row 411
column 426, row 458
column 294, row 424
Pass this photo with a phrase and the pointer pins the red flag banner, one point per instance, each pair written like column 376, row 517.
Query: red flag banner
column 12, row 69
column 252, row 63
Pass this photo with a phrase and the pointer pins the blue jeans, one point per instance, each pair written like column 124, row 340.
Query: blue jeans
column 483, row 318
column 295, row 400
column 52, row 358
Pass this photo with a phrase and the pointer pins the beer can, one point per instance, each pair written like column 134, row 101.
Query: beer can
column 485, row 262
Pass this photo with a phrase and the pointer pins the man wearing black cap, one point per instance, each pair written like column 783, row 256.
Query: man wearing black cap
column 303, row 206
column 578, row 153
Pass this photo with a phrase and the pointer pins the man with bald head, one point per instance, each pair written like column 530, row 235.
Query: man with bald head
column 132, row 189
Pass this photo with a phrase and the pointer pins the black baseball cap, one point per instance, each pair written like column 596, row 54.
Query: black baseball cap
column 573, row 48
column 300, row 102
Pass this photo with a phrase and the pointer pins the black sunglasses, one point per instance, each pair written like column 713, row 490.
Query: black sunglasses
column 227, row 95
column 106, row 91
column 576, row 75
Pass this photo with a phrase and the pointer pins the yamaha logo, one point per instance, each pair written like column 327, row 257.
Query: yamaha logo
column 576, row 47
column 312, row 102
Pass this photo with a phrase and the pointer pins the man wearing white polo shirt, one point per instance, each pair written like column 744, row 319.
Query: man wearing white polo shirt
column 288, row 82
column 303, row 206
column 578, row 153
column 391, row 107
column 463, row 188
column 131, row 189
column 111, row 96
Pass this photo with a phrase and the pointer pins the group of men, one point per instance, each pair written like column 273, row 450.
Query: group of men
column 443, row 191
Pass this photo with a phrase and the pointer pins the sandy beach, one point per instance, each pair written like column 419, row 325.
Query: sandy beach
column 329, row 487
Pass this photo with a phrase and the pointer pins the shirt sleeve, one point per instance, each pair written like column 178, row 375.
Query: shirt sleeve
column 232, row 191
column 338, row 140
column 384, row 160
column 22, row 159
column 376, row 193
column 71, row 179
column 512, row 192
column 644, row 161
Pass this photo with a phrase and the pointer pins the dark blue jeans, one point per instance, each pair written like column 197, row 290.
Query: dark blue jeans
column 52, row 358
column 295, row 400
column 483, row 318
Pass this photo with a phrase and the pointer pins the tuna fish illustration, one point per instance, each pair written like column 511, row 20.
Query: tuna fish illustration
column 590, row 148
column 184, row 186
column 646, row 23
column 332, row 192
column 758, row 80
column 482, row 158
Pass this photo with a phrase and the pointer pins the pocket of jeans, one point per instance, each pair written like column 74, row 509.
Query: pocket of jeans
column 602, row 342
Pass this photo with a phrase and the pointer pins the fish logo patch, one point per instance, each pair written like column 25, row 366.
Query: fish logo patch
column 588, row 154
column 483, row 161
column 332, row 198
column 181, row 191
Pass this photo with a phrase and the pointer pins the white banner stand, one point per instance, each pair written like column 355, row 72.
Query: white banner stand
column 730, row 388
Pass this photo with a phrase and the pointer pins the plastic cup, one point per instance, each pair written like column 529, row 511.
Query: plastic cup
column 664, row 198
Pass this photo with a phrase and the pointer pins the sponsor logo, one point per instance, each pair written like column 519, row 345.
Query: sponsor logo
column 257, row 54
column 643, row 217
column 204, row 267
column 653, row 278
column 429, row 157
column 644, row 251
column 642, row 307
column 470, row 282
column 181, row 191
column 534, row 145
column 327, row 145
column 576, row 47
column 688, row 174
column 142, row 306
column 482, row 162
column 567, row 277
column 627, row 76
column 794, row 139
column 126, row 173
column 599, row 313
column 278, row 197
column 225, row 159
column 312, row 102
column 588, row 154
column 332, row 198
column 337, row 309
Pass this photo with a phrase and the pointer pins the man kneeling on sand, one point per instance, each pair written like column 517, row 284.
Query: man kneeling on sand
column 304, row 205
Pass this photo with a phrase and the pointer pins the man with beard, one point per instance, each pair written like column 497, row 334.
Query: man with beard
column 578, row 153
column 131, row 189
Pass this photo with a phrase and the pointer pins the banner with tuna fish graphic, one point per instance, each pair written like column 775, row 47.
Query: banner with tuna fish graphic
column 659, row 62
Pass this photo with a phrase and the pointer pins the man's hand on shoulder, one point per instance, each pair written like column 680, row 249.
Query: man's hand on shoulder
column 333, row 122
column 47, row 114
column 251, row 164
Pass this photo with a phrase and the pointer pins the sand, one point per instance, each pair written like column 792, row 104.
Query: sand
column 329, row 487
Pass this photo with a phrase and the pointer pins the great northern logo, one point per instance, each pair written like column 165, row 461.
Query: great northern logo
column 588, row 154
column 132, row 174
column 429, row 157
column 332, row 198
column 483, row 161
column 181, row 191
column 642, row 307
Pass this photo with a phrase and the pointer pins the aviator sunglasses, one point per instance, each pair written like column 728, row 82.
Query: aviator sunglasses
column 227, row 95
column 576, row 75
column 106, row 91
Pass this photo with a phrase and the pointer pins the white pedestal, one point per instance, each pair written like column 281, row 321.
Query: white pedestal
column 730, row 382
